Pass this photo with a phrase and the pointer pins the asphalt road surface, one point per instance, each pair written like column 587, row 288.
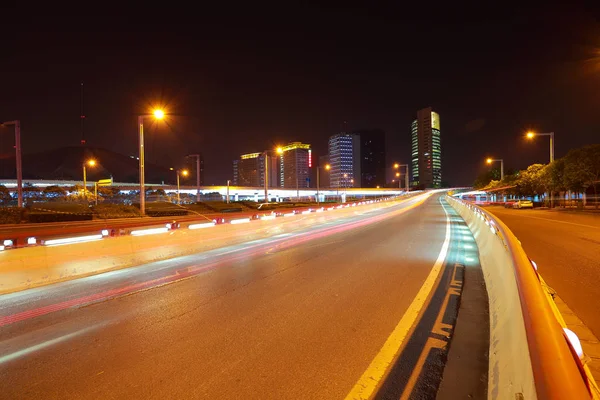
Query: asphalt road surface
column 287, row 319
column 566, row 248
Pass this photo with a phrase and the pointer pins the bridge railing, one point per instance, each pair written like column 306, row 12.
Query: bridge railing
column 532, row 354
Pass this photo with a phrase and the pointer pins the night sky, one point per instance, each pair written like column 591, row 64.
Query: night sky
column 244, row 79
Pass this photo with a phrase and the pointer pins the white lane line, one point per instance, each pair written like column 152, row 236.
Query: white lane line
column 43, row 345
column 366, row 385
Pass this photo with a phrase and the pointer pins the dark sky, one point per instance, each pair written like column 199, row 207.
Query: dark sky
column 242, row 79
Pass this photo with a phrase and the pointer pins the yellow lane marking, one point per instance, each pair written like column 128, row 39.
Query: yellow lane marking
column 368, row 382
column 549, row 219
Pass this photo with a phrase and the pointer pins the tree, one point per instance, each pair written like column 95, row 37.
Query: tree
column 5, row 197
column 530, row 181
column 31, row 193
column 108, row 192
column 54, row 192
column 582, row 168
column 486, row 177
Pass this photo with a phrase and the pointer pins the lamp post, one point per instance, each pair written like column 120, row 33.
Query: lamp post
column 19, row 167
column 327, row 168
column 279, row 150
column 397, row 166
column 531, row 135
column 184, row 172
column 197, row 175
column 157, row 114
column 91, row 163
column 491, row 160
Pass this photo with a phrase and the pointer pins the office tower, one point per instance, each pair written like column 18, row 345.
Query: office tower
column 344, row 158
column 294, row 166
column 426, row 150
column 372, row 157
column 249, row 170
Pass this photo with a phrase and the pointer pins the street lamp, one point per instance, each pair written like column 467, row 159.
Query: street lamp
column 197, row 175
column 91, row 163
column 278, row 150
column 491, row 160
column 531, row 135
column 327, row 168
column 396, row 166
column 157, row 114
column 19, row 168
column 184, row 172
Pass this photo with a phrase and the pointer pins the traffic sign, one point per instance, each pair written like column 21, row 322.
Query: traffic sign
column 105, row 182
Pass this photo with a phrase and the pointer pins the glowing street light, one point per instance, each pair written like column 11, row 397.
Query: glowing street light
column 91, row 163
column 327, row 168
column 157, row 114
column 184, row 172
column 491, row 160
column 278, row 150
column 530, row 135
column 397, row 166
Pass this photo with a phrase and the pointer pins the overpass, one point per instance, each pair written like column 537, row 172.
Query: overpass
column 365, row 300
column 235, row 193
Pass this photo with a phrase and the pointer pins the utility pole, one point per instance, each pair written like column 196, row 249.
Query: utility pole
column 19, row 166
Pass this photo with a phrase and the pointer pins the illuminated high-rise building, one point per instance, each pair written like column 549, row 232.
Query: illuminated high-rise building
column 426, row 150
column 249, row 170
column 295, row 165
column 344, row 158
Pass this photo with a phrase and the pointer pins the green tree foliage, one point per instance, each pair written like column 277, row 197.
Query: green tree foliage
column 582, row 168
column 486, row 177
column 530, row 181
column 54, row 192
column 5, row 198
column 577, row 171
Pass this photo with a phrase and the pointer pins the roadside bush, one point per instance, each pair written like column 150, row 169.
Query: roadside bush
column 11, row 215
column 166, row 212
column 38, row 217
column 107, row 211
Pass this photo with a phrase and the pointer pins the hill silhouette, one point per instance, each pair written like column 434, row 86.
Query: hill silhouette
column 65, row 163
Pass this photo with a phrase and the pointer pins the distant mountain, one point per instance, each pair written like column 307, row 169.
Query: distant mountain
column 65, row 163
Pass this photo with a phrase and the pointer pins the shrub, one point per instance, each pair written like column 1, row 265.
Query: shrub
column 11, row 215
column 37, row 217
column 107, row 211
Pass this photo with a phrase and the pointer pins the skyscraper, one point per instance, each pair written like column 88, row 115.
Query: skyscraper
column 372, row 157
column 344, row 158
column 249, row 170
column 426, row 150
column 295, row 165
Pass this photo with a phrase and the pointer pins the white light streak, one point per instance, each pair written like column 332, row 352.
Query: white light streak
column 151, row 231
column 239, row 221
column 202, row 225
column 71, row 240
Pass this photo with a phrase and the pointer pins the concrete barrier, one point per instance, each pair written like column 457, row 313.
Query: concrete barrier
column 530, row 356
column 39, row 265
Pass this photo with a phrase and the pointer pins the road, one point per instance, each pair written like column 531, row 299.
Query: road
column 566, row 248
column 300, row 317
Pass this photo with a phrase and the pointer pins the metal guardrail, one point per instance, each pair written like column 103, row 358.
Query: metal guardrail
column 558, row 369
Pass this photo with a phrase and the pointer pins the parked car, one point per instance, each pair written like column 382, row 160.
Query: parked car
column 523, row 204
column 509, row 203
